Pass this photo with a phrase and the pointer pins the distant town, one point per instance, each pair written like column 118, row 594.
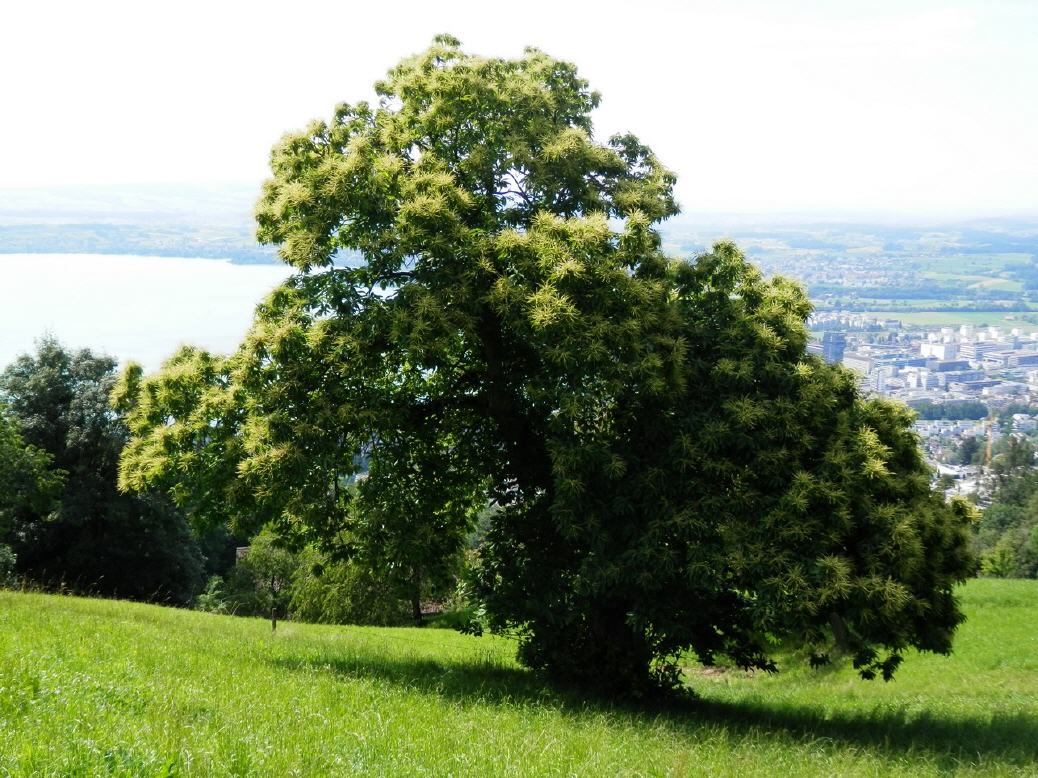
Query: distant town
column 972, row 385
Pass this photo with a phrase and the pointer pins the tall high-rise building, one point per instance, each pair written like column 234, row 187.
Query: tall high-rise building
column 833, row 346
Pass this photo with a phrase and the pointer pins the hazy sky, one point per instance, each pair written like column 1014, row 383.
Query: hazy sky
column 917, row 107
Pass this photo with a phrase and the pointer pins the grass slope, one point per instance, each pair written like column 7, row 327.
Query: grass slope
column 93, row 687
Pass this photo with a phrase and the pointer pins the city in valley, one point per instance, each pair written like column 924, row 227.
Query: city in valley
column 972, row 385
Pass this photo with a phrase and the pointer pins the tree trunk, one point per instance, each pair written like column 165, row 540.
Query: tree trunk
column 622, row 657
column 273, row 604
column 416, row 597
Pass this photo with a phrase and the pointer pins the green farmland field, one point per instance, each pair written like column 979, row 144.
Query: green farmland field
column 955, row 318
column 976, row 282
column 93, row 687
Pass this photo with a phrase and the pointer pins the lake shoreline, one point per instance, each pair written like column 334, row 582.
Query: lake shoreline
column 139, row 307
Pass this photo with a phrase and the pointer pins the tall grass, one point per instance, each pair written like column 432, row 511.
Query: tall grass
column 93, row 687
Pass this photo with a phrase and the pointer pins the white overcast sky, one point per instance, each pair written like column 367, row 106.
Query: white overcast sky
column 835, row 106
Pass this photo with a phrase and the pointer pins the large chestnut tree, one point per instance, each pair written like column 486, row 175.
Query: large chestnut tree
column 483, row 314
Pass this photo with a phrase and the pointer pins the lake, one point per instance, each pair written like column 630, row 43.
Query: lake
column 131, row 307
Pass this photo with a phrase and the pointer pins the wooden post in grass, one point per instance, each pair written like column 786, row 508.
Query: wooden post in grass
column 273, row 603
column 416, row 596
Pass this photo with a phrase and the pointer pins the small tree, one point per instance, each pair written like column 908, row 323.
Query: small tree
column 1000, row 562
column 411, row 523
column 268, row 569
column 345, row 592
column 212, row 599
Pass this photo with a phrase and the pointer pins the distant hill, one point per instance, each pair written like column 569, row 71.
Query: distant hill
column 212, row 221
column 215, row 220
column 161, row 240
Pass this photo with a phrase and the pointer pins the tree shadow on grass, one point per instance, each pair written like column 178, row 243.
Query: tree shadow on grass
column 1010, row 739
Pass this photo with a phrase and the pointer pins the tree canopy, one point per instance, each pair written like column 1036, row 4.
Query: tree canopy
column 28, row 482
column 80, row 532
column 1007, row 534
column 483, row 313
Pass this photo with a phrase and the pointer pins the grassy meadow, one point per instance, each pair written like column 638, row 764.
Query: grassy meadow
column 95, row 687
column 955, row 318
